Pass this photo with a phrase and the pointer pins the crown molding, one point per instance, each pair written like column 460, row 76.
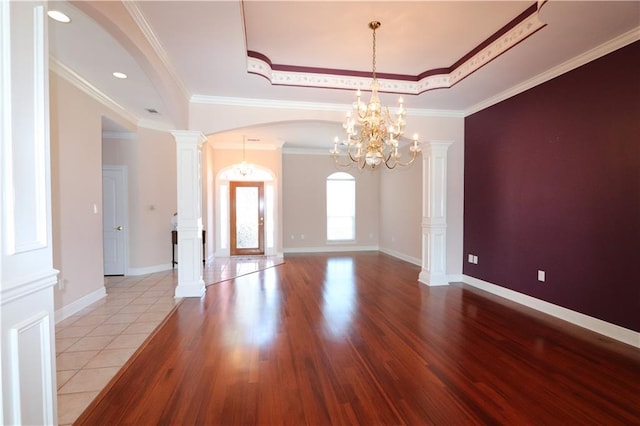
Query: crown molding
column 85, row 86
column 261, row 146
column 578, row 61
column 147, row 30
column 266, row 103
column 306, row 151
column 312, row 106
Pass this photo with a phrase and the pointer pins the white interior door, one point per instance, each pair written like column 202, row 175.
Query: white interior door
column 114, row 215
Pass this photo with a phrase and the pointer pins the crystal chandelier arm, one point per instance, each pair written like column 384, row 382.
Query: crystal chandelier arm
column 414, row 154
column 415, row 149
column 339, row 164
column 335, row 152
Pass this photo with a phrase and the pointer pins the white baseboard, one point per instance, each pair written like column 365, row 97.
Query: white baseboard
column 330, row 249
column 401, row 256
column 613, row 331
column 149, row 269
column 455, row 278
column 74, row 307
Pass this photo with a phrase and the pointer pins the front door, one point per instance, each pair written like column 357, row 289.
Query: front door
column 247, row 218
column 114, row 195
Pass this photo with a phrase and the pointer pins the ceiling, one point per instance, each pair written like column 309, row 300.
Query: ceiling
column 176, row 52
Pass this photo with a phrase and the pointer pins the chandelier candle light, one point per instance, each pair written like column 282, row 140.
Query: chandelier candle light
column 373, row 136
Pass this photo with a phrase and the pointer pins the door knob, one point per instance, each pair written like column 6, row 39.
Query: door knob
column 118, row 228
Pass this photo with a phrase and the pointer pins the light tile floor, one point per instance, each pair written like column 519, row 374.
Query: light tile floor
column 93, row 344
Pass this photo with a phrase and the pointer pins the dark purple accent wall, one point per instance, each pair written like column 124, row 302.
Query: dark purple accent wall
column 552, row 182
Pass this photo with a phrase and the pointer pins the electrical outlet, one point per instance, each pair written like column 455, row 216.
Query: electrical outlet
column 541, row 276
column 475, row 260
column 302, row 236
column 293, row 237
column 470, row 258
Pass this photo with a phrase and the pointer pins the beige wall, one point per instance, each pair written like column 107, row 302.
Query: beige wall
column 150, row 158
column 157, row 199
column 305, row 207
column 401, row 211
column 76, row 168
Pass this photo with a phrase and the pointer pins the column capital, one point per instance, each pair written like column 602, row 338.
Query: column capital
column 434, row 145
column 189, row 136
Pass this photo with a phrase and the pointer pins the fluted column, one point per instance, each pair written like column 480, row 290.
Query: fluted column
column 188, row 157
column 434, row 214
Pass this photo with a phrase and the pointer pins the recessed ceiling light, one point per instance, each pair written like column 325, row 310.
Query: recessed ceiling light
column 56, row 15
column 119, row 75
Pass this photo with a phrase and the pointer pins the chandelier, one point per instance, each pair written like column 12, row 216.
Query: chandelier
column 243, row 168
column 372, row 132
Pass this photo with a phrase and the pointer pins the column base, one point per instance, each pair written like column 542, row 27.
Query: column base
column 196, row 289
column 432, row 280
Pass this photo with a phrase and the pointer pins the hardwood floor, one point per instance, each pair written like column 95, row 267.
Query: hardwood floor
column 355, row 339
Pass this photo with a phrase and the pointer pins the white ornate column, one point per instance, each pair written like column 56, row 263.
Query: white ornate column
column 27, row 277
column 188, row 157
column 434, row 214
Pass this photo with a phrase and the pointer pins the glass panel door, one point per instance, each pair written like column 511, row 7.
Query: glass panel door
column 247, row 218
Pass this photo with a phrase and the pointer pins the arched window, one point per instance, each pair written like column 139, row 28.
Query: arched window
column 341, row 207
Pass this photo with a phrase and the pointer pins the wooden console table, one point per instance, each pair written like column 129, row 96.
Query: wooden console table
column 174, row 243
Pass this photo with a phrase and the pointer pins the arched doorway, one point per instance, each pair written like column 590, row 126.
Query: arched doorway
column 264, row 217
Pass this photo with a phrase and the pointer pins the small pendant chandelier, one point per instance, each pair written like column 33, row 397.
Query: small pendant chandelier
column 243, row 168
column 374, row 134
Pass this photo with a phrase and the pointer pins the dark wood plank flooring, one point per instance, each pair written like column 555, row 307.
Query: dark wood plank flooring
column 355, row 339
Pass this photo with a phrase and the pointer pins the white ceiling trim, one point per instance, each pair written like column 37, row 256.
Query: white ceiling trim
column 262, row 146
column 604, row 49
column 146, row 29
column 266, row 103
column 313, row 106
column 78, row 81
column 511, row 38
column 306, row 151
